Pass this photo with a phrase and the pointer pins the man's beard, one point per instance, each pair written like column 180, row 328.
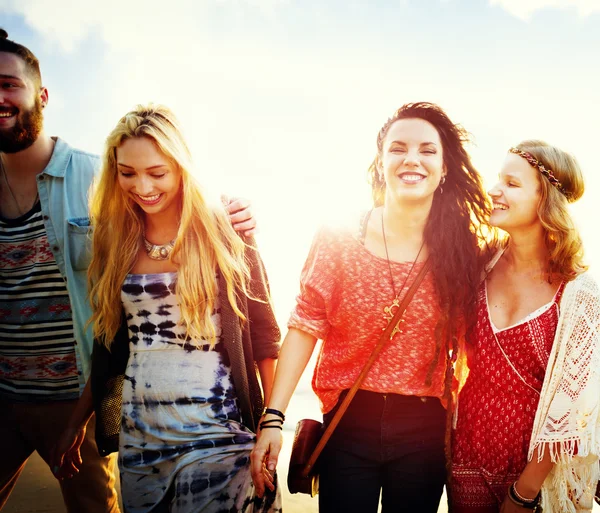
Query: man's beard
column 25, row 132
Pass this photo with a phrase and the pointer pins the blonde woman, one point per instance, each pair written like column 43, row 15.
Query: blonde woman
column 528, row 424
column 181, row 318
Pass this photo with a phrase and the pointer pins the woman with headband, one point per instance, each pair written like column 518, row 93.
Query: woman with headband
column 528, row 418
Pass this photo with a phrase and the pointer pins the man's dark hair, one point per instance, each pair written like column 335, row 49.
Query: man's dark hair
column 33, row 65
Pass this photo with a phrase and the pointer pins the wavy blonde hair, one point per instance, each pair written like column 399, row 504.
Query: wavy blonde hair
column 205, row 240
column 565, row 248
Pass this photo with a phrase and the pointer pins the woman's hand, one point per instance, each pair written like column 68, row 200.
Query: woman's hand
column 530, row 482
column 509, row 506
column 264, row 456
column 240, row 215
column 65, row 458
column 295, row 353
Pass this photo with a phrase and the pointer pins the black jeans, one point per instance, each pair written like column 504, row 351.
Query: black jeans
column 384, row 442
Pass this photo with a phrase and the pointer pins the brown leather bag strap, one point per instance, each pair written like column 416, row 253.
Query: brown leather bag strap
column 387, row 335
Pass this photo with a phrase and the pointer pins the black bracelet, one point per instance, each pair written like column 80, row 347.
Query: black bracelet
column 266, row 424
column 271, row 422
column 531, row 504
column 272, row 411
column 262, row 426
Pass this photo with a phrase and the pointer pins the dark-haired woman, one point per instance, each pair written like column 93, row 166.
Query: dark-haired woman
column 427, row 201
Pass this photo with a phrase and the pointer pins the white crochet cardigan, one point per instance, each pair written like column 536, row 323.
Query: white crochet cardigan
column 567, row 421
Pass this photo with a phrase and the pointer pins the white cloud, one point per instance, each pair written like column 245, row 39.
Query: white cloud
column 120, row 21
column 523, row 9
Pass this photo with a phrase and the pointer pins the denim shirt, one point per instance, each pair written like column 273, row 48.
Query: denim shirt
column 63, row 187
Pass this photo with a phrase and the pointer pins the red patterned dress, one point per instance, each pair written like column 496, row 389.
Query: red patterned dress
column 497, row 406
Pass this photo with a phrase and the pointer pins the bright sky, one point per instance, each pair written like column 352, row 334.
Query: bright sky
column 282, row 99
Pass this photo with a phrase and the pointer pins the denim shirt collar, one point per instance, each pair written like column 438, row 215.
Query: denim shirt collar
column 59, row 160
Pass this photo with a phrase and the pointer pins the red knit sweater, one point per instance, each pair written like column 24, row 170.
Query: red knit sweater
column 344, row 289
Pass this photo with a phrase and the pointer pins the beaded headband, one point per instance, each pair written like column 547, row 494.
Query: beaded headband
column 540, row 167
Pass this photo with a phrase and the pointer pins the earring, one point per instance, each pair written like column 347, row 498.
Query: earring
column 442, row 182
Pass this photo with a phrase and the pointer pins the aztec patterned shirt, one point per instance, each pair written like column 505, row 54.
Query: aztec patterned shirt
column 37, row 355
column 344, row 289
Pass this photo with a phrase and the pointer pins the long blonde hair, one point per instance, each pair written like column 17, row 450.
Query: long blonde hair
column 205, row 241
column 562, row 239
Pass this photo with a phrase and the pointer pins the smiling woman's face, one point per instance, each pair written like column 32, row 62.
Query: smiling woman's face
column 516, row 196
column 412, row 162
column 148, row 177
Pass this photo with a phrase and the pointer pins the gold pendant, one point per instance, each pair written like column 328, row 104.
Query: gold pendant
column 388, row 313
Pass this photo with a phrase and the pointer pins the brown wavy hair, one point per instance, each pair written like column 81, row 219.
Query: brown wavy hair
column 453, row 229
column 562, row 239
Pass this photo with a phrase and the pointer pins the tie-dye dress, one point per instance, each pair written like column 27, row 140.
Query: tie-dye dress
column 182, row 446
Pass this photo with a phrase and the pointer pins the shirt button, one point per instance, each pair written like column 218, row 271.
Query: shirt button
column 40, row 178
column 54, row 248
column 45, row 218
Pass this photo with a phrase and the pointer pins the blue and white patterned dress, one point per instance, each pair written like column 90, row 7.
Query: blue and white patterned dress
column 182, row 447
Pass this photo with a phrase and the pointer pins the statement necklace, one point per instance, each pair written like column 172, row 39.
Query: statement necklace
column 159, row 251
column 388, row 311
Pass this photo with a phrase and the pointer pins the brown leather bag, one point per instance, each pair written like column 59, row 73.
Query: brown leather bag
column 310, row 440
column 307, row 436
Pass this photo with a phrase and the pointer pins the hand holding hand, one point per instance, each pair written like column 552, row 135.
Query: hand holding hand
column 263, row 459
column 65, row 458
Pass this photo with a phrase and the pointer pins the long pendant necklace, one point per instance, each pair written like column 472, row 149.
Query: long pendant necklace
column 388, row 311
column 10, row 191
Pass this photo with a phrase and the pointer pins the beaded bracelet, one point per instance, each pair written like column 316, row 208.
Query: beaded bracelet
column 273, row 411
column 521, row 501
